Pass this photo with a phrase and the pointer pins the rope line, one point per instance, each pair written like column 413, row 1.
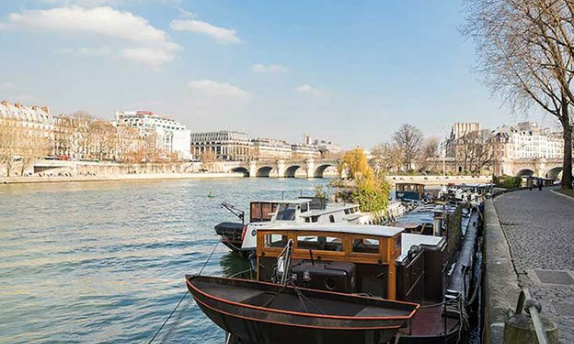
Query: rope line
column 169, row 317
column 184, row 295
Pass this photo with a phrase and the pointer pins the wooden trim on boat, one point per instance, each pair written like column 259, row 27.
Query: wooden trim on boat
column 339, row 317
column 301, row 325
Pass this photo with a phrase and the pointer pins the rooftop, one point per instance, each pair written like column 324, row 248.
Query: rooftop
column 380, row 231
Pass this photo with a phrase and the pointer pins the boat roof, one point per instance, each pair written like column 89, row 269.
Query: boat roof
column 286, row 201
column 331, row 208
column 485, row 185
column 381, row 231
column 409, row 239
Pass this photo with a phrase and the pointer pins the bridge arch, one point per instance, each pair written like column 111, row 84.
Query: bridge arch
column 320, row 169
column 264, row 171
column 291, row 171
column 525, row 172
column 243, row 170
column 554, row 173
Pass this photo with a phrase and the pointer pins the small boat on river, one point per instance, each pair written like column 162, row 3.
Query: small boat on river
column 269, row 313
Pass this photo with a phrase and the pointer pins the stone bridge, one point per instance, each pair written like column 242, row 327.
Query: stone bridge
column 547, row 168
column 309, row 168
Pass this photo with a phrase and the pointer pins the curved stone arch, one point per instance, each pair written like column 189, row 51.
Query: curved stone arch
column 525, row 172
column 264, row 171
column 320, row 169
column 291, row 171
column 555, row 173
column 243, row 170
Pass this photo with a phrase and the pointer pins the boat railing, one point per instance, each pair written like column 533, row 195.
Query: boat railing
column 532, row 308
column 448, row 306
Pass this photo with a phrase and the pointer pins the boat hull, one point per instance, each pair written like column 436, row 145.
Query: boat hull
column 252, row 323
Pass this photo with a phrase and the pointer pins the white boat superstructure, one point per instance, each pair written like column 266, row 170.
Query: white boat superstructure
column 301, row 211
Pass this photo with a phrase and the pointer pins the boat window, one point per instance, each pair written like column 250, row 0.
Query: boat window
column 255, row 210
column 314, row 218
column 304, row 207
column 307, row 219
column 262, row 212
column 331, row 218
column 320, row 243
column 275, row 240
column 286, row 212
column 366, row 245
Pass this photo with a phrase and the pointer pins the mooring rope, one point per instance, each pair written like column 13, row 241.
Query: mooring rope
column 184, row 295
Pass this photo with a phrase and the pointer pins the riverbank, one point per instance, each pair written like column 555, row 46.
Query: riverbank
column 426, row 180
column 131, row 177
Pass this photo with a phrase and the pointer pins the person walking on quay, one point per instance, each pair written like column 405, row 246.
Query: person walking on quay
column 539, row 184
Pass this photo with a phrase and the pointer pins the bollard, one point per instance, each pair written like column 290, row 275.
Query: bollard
column 519, row 329
column 527, row 326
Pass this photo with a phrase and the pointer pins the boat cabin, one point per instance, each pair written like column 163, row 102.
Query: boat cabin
column 410, row 191
column 375, row 260
column 299, row 211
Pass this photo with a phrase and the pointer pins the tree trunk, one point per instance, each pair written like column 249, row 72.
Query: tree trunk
column 567, row 132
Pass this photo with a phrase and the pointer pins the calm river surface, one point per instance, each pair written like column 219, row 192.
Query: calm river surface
column 105, row 261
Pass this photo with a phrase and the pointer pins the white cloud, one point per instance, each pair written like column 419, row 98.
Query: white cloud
column 95, row 3
column 103, row 51
column 307, row 89
column 216, row 89
column 6, row 85
column 221, row 35
column 102, row 22
column 271, row 68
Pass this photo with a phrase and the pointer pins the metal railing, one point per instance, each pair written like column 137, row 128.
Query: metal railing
column 532, row 308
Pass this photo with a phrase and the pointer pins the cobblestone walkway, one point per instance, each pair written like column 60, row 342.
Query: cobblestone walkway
column 539, row 227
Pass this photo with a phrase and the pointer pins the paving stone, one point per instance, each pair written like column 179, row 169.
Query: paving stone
column 539, row 228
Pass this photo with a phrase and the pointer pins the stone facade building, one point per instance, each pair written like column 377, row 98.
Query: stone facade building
column 225, row 145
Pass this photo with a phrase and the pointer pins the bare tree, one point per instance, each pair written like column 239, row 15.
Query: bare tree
column 386, row 157
column 21, row 145
column 526, row 51
column 429, row 152
column 474, row 151
column 8, row 143
column 409, row 140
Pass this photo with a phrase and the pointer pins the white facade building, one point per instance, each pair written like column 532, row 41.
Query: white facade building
column 527, row 140
column 172, row 136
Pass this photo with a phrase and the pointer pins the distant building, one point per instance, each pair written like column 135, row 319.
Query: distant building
column 527, row 140
column 26, row 133
column 225, row 145
column 36, row 120
column 171, row 137
column 325, row 147
column 303, row 151
column 271, row 149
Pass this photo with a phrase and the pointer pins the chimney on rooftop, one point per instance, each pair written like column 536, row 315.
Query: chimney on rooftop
column 35, row 107
column 46, row 109
column 17, row 105
column 5, row 103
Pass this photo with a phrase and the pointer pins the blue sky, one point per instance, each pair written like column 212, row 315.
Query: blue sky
column 349, row 71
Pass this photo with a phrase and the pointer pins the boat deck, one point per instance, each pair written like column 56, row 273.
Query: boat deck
column 290, row 301
column 431, row 322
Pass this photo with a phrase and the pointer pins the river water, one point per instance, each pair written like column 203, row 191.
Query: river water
column 105, row 261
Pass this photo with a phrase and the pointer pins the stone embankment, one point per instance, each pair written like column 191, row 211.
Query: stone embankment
column 440, row 180
column 133, row 177
column 528, row 244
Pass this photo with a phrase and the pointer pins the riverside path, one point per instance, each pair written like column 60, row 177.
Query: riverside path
column 539, row 228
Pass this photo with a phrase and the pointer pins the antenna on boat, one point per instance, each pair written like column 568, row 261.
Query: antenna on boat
column 239, row 213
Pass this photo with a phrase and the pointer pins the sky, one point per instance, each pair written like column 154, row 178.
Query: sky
column 347, row 71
